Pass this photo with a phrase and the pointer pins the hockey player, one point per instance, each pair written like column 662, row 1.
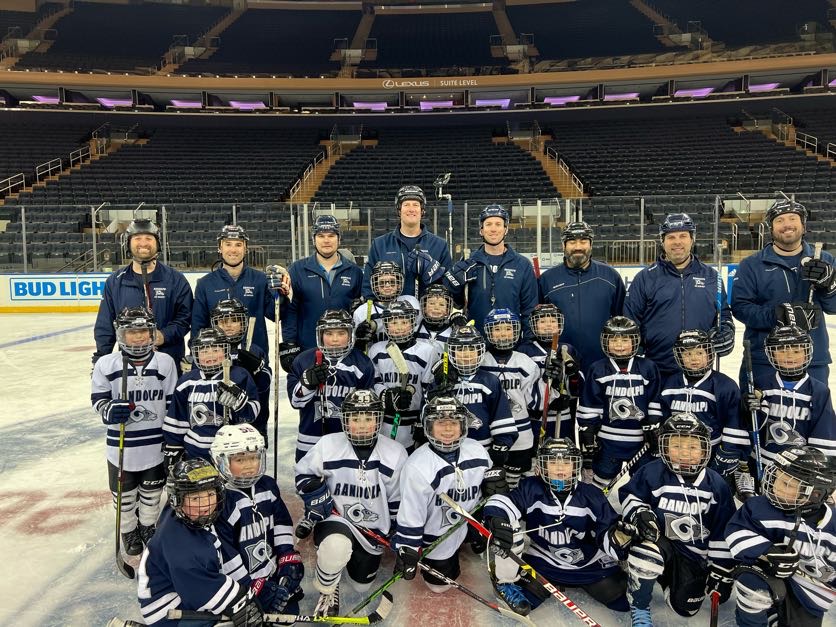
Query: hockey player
column 570, row 525
column 491, row 423
column 151, row 377
column 450, row 463
column 495, row 275
column 674, row 512
column 350, row 478
column 784, row 543
column 402, row 393
column 202, row 400
column 520, row 379
column 438, row 314
column 254, row 525
column 714, row 399
column 230, row 317
column 387, row 284
column 564, row 372
column 620, row 392
column 322, row 377
column 792, row 407
column 183, row 567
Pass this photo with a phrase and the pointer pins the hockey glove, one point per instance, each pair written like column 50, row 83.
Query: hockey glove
column 171, row 455
column 498, row 454
column 722, row 339
column 754, row 401
column 724, row 462
column 646, row 524
column 553, row 370
column 458, row 319
column 494, row 482
column 623, row 534
column 317, row 498
column 406, row 562
column 186, row 364
column 421, row 263
column 315, row 376
column 502, row 533
column 571, row 367
column 290, row 569
column 442, row 380
column 478, row 543
column 721, row 580
column 273, row 596
column 819, row 273
column 287, row 353
column 278, row 282
column 804, row 315
column 651, row 437
column 395, row 400
column 245, row 610
column 462, row 273
column 117, row 412
column 588, row 435
column 231, row 396
column 780, row 561
column 364, row 333
column 250, row 362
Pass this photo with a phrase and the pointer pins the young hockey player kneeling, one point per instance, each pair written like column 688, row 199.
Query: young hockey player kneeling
column 570, row 525
column 674, row 515
column 254, row 525
column 182, row 567
column 785, row 543
column 350, row 478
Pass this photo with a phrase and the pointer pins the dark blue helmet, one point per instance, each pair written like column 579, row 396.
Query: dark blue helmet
column 143, row 226
column 677, row 222
column 782, row 206
column 326, row 224
column 577, row 230
column 494, row 211
column 410, row 192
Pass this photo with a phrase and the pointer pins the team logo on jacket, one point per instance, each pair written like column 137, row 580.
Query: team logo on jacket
column 202, row 416
column 565, row 555
column 784, row 435
column 510, row 273
column 345, row 281
column 684, row 528
column 257, row 554
column 249, row 290
column 625, row 409
column 159, row 292
column 358, row 513
column 699, row 282
column 140, row 414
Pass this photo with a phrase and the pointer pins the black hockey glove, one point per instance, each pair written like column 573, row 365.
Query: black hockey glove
column 250, row 362
column 458, row 319
column 287, row 353
column 396, row 400
column 651, row 437
column 744, row 483
column 722, row 339
column 421, row 263
column 498, row 453
column 571, row 367
column 804, row 315
column 245, row 611
column 315, row 376
column 231, row 396
column 724, row 462
column 589, row 444
column 462, row 272
column 117, row 412
column 753, row 401
column 494, row 482
column 478, row 543
column 553, row 370
column 442, row 380
column 623, row 534
column 317, row 498
column 721, row 580
column 364, row 333
column 171, row 455
column 406, row 562
column 780, row 561
column 646, row 524
column 502, row 533
column 290, row 570
column 186, row 364
column 819, row 273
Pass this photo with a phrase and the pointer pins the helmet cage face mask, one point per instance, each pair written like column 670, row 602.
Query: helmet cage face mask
column 541, row 314
column 779, row 356
column 606, row 336
column 232, row 313
column 135, row 319
column 204, row 344
column 686, row 469
column 687, row 342
column 466, row 356
column 187, row 479
column 559, row 484
column 388, row 278
column 443, row 410
column 493, row 324
column 231, row 440
column 334, row 353
column 392, row 315
column 362, row 440
column 429, row 298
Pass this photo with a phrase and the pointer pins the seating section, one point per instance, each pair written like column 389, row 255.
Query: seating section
column 26, row 146
column 820, row 123
column 278, row 42
column 746, row 22
column 592, row 28
column 433, row 40
column 120, row 37
column 24, row 20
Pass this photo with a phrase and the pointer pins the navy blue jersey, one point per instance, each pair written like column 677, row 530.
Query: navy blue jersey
column 796, row 413
column 570, row 543
column 319, row 411
column 620, row 402
column 195, row 415
column 255, row 529
column 563, row 396
column 758, row 525
column 182, row 569
column 691, row 514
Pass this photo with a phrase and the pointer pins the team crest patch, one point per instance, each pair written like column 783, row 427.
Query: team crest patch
column 345, row 281
column 359, row 513
column 249, row 290
column 699, row 282
column 509, row 273
column 159, row 292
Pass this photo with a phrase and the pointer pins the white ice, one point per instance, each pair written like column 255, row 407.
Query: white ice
column 57, row 523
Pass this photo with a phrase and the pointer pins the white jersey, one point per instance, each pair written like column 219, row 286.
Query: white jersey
column 361, row 314
column 423, row 516
column 520, row 378
column 367, row 493
column 150, row 387
column 419, row 358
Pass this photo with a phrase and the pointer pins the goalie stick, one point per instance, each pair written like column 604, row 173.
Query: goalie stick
column 396, row 355
column 379, row 614
column 585, row 618
column 125, row 569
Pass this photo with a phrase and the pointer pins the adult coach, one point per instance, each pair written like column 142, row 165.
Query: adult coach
column 421, row 255
column 495, row 275
column 166, row 289
column 785, row 271
column 588, row 292
column 678, row 293
column 325, row 280
column 235, row 278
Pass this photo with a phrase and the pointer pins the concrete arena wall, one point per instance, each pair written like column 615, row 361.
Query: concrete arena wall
column 78, row 293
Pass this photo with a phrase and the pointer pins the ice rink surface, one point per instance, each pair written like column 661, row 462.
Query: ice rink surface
column 57, row 523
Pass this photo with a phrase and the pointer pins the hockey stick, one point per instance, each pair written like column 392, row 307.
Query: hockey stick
column 585, row 618
column 719, row 299
column 715, row 609
column 250, row 331
column 124, row 568
column 401, row 366
column 226, row 366
column 276, row 270
column 547, row 392
column 451, row 582
column 417, row 271
column 626, row 468
column 750, row 388
column 145, row 287
column 368, row 321
column 379, row 614
column 424, row 553
column 816, row 255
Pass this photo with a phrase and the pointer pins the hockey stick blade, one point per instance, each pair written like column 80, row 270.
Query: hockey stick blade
column 379, row 614
column 645, row 447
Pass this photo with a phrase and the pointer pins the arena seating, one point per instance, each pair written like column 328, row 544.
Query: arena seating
column 26, row 146
column 278, row 42
column 120, row 37
column 433, row 40
column 745, row 22
column 24, row 20
column 820, row 123
column 592, row 28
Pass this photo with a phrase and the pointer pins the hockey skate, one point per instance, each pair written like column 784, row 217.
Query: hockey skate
column 328, row 604
column 132, row 543
column 513, row 597
column 640, row 618
column 146, row 533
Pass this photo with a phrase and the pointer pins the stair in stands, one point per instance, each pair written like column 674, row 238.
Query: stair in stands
column 666, row 26
column 207, row 38
column 561, row 181
column 310, row 187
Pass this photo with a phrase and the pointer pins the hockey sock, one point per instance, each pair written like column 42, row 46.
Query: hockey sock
column 149, row 506
column 128, row 521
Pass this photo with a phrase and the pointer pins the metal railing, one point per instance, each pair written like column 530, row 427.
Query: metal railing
column 807, row 142
column 80, row 155
column 14, row 182
column 831, row 150
column 48, row 168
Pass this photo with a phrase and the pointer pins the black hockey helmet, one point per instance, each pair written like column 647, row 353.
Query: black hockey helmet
column 400, row 310
column 494, row 211
column 135, row 318
column 681, row 425
column 814, row 471
column 190, row 476
column 209, row 338
column 233, row 231
column 142, row 226
column 793, row 339
column 410, row 192
column 677, row 222
column 620, row 326
column 359, row 403
column 559, row 450
column 445, row 408
column 334, row 319
column 464, row 339
column 326, row 223
column 691, row 340
column 577, row 230
column 230, row 310
column 384, row 272
column 542, row 312
column 783, row 206
column 433, row 291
